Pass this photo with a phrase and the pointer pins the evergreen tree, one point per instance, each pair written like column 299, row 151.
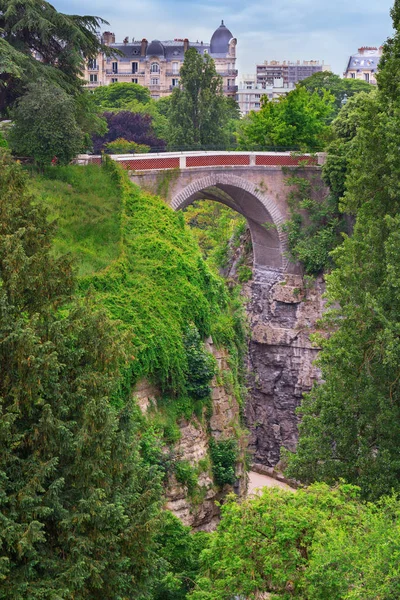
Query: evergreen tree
column 78, row 506
column 351, row 423
column 198, row 112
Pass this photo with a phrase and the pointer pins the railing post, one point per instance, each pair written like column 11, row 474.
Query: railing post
column 182, row 161
column 252, row 159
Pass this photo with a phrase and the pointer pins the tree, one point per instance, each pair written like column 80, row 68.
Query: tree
column 37, row 42
column 312, row 544
column 78, row 506
column 351, row 423
column 119, row 95
column 297, row 121
column 45, row 125
column 197, row 112
column 133, row 127
column 341, row 89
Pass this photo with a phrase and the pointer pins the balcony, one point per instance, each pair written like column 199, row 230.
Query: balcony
column 92, row 83
column 230, row 89
column 155, row 87
column 172, row 74
column 95, row 68
column 123, row 73
column 229, row 73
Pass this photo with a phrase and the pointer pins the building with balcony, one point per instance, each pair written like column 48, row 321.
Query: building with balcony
column 156, row 65
column 290, row 72
column 364, row 64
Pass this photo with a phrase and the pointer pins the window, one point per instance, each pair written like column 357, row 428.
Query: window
column 175, row 68
column 366, row 76
column 257, row 96
column 353, row 75
column 154, row 81
column 175, row 82
column 92, row 78
column 155, row 68
column 114, row 80
column 114, row 67
column 134, row 80
column 92, row 64
column 134, row 67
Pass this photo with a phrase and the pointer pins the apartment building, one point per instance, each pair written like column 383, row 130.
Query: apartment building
column 364, row 64
column 156, row 65
column 289, row 72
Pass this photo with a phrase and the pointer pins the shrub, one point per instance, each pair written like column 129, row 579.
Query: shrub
column 224, row 454
column 186, row 474
column 122, row 146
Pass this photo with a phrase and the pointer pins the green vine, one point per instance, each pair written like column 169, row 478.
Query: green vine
column 164, row 180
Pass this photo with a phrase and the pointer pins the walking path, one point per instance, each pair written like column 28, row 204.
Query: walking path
column 258, row 481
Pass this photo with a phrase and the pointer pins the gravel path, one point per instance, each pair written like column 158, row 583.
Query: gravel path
column 257, row 481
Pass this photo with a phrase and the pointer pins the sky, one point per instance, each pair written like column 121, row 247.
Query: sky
column 322, row 30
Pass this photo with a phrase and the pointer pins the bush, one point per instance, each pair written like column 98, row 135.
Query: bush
column 201, row 364
column 186, row 474
column 224, row 455
column 122, row 146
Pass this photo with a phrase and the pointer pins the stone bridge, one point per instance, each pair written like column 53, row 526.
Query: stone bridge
column 252, row 183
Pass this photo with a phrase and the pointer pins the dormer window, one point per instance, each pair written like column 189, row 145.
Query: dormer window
column 154, row 68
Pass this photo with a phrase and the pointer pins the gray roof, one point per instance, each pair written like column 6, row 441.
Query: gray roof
column 367, row 61
column 220, row 40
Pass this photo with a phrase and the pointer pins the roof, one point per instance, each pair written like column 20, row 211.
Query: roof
column 367, row 60
column 220, row 40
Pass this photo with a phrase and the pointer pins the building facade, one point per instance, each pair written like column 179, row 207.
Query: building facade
column 289, row 72
column 364, row 64
column 156, row 65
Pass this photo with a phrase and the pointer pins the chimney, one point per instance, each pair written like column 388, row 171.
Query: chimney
column 108, row 38
column 126, row 40
column 143, row 47
column 185, row 44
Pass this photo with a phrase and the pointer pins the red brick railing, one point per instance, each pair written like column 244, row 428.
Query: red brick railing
column 187, row 160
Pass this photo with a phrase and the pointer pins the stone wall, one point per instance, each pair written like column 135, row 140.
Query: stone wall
column 282, row 315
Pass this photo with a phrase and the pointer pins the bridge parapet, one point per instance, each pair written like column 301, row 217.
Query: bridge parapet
column 210, row 159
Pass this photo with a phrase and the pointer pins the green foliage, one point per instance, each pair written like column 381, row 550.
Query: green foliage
column 179, row 550
column 45, row 126
column 3, row 141
column 312, row 544
column 297, row 121
column 245, row 273
column 64, row 42
column 316, row 225
column 186, row 474
column 86, row 205
column 224, row 455
column 119, row 95
column 351, row 423
column 198, row 110
column 121, row 146
column 341, row 89
column 79, row 507
column 201, row 365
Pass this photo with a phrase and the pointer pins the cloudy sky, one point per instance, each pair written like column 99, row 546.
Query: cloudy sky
column 275, row 29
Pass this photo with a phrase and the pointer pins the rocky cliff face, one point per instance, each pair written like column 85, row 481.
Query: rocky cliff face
column 200, row 510
column 282, row 314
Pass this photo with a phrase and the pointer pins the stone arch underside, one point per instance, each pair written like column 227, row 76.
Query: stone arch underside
column 263, row 216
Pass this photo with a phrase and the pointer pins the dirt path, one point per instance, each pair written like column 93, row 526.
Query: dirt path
column 257, row 481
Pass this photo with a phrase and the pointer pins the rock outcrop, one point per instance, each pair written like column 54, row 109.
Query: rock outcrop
column 201, row 510
column 282, row 315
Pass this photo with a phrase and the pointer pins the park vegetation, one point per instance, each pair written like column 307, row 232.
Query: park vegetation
column 102, row 285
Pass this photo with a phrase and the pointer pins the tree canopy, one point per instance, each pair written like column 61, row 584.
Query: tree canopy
column 38, row 42
column 78, row 505
column 297, row 121
column 351, row 423
column 340, row 88
column 198, row 109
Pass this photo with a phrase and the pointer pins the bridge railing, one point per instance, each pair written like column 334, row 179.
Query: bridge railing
column 199, row 159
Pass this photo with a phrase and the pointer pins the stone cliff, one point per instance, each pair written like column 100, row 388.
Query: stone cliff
column 200, row 510
column 282, row 315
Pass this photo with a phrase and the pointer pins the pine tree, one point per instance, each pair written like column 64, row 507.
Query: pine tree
column 78, row 506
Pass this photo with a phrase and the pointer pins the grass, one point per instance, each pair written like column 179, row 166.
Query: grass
column 86, row 203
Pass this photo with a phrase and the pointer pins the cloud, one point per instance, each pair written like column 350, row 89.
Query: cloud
column 277, row 29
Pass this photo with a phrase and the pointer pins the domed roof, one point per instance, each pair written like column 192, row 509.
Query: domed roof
column 155, row 48
column 220, row 40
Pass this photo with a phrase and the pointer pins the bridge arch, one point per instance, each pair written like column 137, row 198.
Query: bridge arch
column 261, row 212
